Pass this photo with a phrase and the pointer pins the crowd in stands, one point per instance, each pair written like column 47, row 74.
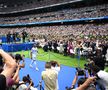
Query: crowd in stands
column 63, row 31
column 57, row 37
column 66, row 14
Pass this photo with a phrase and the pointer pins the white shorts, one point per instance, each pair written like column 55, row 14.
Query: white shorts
column 33, row 57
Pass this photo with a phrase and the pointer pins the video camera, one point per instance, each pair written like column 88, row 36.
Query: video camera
column 68, row 88
column 80, row 71
column 88, row 66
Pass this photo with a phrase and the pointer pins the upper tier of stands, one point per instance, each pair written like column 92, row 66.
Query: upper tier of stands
column 65, row 14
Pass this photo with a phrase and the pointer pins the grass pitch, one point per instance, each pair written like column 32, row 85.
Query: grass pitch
column 64, row 60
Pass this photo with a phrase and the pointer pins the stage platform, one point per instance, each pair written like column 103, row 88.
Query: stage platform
column 17, row 47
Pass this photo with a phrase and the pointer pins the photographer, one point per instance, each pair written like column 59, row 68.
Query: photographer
column 101, row 75
column 9, row 69
column 50, row 77
column 99, row 59
column 20, row 60
column 22, row 84
column 83, row 83
column 32, row 87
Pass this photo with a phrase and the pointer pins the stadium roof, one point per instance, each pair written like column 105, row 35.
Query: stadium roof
column 17, row 6
column 7, row 2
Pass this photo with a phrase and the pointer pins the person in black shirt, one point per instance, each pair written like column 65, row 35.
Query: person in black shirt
column 24, row 35
column 14, row 37
column 8, row 37
column 65, row 45
column 55, row 44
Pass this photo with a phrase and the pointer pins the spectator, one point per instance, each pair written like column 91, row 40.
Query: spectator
column 99, row 59
column 55, row 66
column 32, row 87
column 60, row 47
column 50, row 45
column 102, row 75
column 22, row 84
column 106, row 57
column 83, row 83
column 45, row 47
column 18, row 59
column 9, row 69
column 65, row 48
column 50, row 77
column 55, row 46
column 14, row 79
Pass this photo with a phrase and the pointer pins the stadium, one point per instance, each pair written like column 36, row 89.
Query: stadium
column 54, row 44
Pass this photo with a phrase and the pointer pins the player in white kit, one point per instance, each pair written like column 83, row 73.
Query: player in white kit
column 34, row 52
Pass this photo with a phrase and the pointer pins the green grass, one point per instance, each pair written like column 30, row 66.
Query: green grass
column 106, row 69
column 64, row 60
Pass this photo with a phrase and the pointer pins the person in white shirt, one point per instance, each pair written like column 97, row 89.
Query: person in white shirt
column 34, row 52
column 49, row 77
column 101, row 75
column 104, row 78
column 32, row 87
column 55, row 66
column 106, row 57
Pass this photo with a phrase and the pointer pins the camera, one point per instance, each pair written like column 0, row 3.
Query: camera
column 68, row 88
column 80, row 71
column 87, row 66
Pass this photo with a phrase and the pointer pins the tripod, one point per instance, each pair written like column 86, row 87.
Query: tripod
column 40, row 85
